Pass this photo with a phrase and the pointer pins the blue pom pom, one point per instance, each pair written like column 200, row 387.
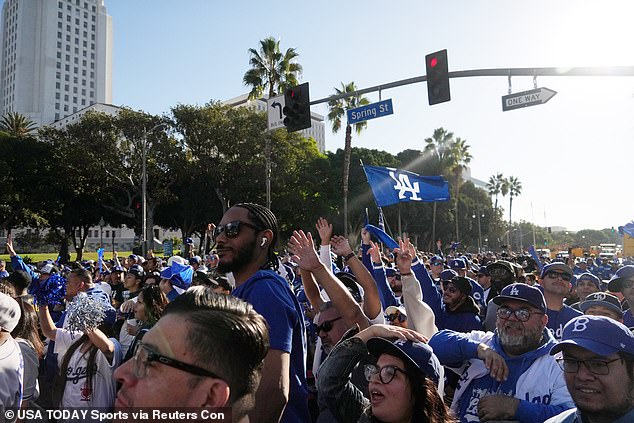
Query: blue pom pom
column 49, row 292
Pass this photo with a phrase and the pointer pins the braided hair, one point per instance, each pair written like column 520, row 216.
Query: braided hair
column 265, row 219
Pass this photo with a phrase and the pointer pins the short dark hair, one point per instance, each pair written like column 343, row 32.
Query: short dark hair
column 83, row 275
column 229, row 336
column 265, row 219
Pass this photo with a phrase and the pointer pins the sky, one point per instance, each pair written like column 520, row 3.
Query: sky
column 573, row 155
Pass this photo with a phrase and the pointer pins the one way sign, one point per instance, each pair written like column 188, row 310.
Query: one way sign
column 275, row 114
column 526, row 98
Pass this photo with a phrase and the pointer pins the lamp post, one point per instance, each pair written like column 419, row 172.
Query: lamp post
column 101, row 224
column 479, row 215
column 144, row 190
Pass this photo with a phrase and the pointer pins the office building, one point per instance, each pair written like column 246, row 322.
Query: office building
column 56, row 57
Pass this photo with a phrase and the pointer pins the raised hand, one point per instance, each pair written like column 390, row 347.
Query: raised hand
column 340, row 245
column 374, row 253
column 303, row 249
column 365, row 236
column 404, row 255
column 10, row 249
column 324, row 229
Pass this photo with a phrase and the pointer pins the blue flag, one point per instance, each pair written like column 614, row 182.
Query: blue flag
column 391, row 186
column 382, row 236
column 533, row 253
column 628, row 228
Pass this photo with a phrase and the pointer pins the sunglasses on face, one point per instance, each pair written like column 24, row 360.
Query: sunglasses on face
column 555, row 275
column 326, row 326
column 436, row 263
column 232, row 229
column 396, row 316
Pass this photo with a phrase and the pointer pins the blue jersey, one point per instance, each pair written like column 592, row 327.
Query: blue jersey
column 271, row 296
column 558, row 319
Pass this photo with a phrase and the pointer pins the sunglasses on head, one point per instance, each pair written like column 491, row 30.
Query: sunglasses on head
column 326, row 326
column 232, row 229
column 562, row 275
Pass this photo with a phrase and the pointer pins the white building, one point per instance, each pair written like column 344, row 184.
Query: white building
column 56, row 57
column 317, row 130
column 108, row 109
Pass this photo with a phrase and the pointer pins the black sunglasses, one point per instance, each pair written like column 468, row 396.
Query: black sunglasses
column 232, row 229
column 555, row 275
column 396, row 316
column 326, row 326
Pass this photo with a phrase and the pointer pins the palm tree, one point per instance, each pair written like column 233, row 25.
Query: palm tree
column 515, row 189
column 271, row 70
column 337, row 110
column 495, row 187
column 438, row 146
column 16, row 124
column 460, row 158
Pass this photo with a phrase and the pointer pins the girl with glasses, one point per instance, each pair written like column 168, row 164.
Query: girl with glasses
column 402, row 385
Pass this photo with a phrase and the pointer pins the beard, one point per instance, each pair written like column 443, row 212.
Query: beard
column 615, row 411
column 529, row 340
column 241, row 257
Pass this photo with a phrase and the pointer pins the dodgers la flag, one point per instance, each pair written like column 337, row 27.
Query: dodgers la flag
column 391, row 186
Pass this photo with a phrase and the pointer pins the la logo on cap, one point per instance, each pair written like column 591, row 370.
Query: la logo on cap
column 599, row 296
column 514, row 291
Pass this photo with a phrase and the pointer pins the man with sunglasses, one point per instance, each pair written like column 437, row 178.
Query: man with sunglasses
column 623, row 282
column 597, row 357
column 206, row 350
column 396, row 316
column 508, row 374
column 245, row 242
column 556, row 285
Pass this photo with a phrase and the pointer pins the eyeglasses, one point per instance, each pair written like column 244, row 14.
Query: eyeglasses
column 597, row 367
column 143, row 356
column 436, row 263
column 521, row 314
column 555, row 275
column 232, row 229
column 394, row 316
column 326, row 326
column 386, row 373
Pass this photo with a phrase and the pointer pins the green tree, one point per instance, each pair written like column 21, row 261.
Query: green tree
column 337, row 110
column 17, row 124
column 271, row 70
column 495, row 186
column 460, row 158
column 514, row 190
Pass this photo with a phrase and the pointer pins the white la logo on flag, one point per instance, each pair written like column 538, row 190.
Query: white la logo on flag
column 403, row 185
column 514, row 291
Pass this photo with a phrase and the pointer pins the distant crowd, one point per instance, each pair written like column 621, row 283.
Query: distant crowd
column 322, row 332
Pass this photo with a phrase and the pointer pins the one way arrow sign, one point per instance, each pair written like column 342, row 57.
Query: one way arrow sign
column 526, row 98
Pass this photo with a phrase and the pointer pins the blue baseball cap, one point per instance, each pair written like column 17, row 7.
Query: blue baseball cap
column 602, row 299
column 419, row 355
column 587, row 276
column 457, row 264
column 447, row 275
column 616, row 283
column 436, row 259
column 136, row 270
column 179, row 275
column 598, row 334
column 522, row 292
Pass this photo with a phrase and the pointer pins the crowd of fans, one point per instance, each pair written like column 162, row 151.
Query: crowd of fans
column 321, row 332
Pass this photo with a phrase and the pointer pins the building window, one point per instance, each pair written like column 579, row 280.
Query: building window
column 59, row 54
column 83, row 102
column 60, row 5
column 66, row 97
column 57, row 96
column 57, row 85
column 59, row 65
column 74, row 109
column 59, row 35
column 59, row 44
column 56, row 116
column 74, row 100
column 56, row 106
column 66, row 78
column 65, row 107
column 107, row 233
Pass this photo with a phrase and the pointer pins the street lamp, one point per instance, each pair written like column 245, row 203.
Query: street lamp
column 144, row 189
column 479, row 230
column 101, row 224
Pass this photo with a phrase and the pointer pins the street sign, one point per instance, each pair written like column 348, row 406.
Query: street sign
column 526, row 98
column 168, row 248
column 371, row 111
column 275, row 106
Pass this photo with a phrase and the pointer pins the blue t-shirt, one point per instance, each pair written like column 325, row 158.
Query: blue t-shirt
column 628, row 319
column 558, row 319
column 272, row 297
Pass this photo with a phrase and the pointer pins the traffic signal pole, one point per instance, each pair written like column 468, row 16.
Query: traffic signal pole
column 577, row 71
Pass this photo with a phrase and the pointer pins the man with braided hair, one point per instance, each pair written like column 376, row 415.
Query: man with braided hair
column 245, row 240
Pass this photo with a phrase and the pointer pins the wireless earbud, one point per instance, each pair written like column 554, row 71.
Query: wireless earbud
column 263, row 243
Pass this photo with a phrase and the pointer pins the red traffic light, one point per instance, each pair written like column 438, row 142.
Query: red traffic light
column 433, row 62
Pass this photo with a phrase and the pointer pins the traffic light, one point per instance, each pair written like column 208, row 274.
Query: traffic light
column 437, row 77
column 297, row 108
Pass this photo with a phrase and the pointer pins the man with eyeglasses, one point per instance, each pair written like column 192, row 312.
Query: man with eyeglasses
column 245, row 242
column 556, row 285
column 623, row 282
column 507, row 374
column 205, row 351
column 597, row 357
